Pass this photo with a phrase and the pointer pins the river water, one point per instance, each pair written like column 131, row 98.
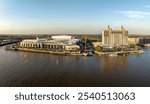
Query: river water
column 36, row 69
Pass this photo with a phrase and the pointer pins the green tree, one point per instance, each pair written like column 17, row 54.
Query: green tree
column 98, row 48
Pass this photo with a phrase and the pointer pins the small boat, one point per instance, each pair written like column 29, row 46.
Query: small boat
column 87, row 54
column 90, row 54
column 113, row 55
column 84, row 54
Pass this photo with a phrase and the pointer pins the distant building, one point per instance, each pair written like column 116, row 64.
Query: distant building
column 114, row 38
column 139, row 40
column 144, row 41
column 133, row 40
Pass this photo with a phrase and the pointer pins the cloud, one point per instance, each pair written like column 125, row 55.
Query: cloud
column 134, row 14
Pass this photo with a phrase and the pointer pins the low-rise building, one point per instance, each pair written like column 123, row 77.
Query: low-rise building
column 32, row 43
column 139, row 40
column 56, row 43
column 133, row 40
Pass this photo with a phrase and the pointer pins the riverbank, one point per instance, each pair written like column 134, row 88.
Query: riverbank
column 137, row 52
column 42, row 51
column 120, row 52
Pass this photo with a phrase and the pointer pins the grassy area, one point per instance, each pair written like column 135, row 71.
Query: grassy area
column 90, row 37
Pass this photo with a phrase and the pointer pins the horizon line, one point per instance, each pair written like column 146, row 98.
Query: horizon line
column 64, row 34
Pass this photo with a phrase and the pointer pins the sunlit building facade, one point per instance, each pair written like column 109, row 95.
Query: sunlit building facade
column 56, row 43
column 114, row 38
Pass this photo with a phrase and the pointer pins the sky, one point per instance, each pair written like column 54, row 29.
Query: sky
column 73, row 16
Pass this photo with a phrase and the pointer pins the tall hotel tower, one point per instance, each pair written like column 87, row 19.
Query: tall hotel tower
column 114, row 38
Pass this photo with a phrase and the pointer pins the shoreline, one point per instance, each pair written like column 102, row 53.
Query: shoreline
column 121, row 53
column 138, row 52
column 43, row 51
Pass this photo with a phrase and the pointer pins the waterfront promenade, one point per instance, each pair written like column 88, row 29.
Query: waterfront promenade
column 42, row 51
column 73, row 53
